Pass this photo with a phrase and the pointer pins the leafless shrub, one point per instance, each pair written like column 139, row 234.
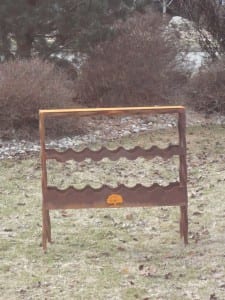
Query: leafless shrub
column 25, row 87
column 207, row 89
column 136, row 68
column 209, row 15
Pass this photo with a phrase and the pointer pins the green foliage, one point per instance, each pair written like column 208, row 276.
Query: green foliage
column 46, row 27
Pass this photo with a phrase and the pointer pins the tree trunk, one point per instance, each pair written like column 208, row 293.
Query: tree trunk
column 5, row 45
column 24, row 45
column 164, row 4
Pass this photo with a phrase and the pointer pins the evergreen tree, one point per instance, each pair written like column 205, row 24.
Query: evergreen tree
column 48, row 26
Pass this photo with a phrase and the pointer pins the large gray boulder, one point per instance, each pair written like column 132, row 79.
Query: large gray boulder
column 187, row 38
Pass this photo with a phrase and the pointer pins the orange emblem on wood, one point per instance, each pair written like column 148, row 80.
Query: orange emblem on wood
column 114, row 199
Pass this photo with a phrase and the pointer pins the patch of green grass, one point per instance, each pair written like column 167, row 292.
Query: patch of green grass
column 117, row 253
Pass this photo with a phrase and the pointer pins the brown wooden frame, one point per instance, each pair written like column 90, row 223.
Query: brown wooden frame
column 175, row 194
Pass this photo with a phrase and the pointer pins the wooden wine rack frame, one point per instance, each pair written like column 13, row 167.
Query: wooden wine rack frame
column 175, row 194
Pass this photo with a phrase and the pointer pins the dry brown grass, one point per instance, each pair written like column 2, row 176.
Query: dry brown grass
column 116, row 253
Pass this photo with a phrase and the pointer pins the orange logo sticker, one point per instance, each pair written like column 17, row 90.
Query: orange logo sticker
column 114, row 199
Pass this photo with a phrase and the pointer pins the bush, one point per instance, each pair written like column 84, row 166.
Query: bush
column 25, row 87
column 135, row 68
column 206, row 90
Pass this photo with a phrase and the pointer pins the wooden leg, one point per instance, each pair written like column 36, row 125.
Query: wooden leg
column 184, row 222
column 181, row 224
column 48, row 226
column 44, row 229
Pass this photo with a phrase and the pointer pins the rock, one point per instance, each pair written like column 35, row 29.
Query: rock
column 187, row 38
column 186, row 34
column 192, row 61
column 126, row 132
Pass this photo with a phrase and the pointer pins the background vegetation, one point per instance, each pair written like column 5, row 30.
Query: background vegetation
column 137, row 67
column 102, row 53
column 26, row 86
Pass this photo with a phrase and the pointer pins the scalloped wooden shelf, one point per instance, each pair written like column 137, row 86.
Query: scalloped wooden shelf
column 130, row 154
column 88, row 197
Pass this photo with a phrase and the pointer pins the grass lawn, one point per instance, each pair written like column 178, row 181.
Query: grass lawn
column 117, row 253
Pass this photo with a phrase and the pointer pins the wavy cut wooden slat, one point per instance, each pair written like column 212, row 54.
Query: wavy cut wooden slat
column 120, row 152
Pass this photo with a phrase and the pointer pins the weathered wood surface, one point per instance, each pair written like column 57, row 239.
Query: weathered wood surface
column 139, row 195
column 174, row 194
column 130, row 154
column 112, row 111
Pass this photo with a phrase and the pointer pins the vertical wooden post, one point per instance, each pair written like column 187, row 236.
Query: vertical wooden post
column 46, row 223
column 183, row 175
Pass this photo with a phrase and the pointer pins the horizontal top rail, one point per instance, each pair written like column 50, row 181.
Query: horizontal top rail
column 113, row 110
